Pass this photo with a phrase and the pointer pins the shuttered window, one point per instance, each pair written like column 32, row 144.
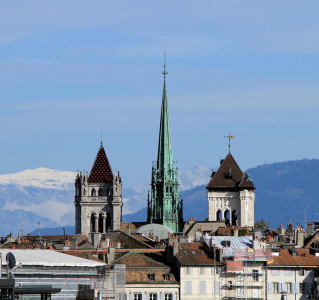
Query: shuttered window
column 216, row 287
column 188, row 287
column 202, row 287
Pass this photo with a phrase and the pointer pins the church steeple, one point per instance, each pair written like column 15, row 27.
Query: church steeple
column 165, row 206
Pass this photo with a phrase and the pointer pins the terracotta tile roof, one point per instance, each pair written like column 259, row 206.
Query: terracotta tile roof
column 223, row 178
column 313, row 238
column 127, row 241
column 101, row 170
column 82, row 254
column 141, row 260
column 48, row 238
column 132, row 225
column 304, row 258
column 138, row 266
column 140, row 238
column 186, row 255
column 23, row 245
column 223, row 231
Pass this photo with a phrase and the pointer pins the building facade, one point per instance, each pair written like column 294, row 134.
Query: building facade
column 230, row 194
column 164, row 205
column 98, row 197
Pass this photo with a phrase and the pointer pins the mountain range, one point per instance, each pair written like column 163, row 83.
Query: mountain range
column 43, row 198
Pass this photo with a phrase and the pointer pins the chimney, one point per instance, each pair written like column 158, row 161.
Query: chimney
column 235, row 231
column 309, row 228
column 281, row 230
column 105, row 243
column 95, row 239
column 300, row 237
column 172, row 247
column 128, row 229
column 110, row 254
column 118, row 244
column 19, row 239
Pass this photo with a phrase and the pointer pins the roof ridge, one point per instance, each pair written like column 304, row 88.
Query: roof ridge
column 136, row 239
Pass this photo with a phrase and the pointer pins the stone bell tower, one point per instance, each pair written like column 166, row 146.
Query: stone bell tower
column 231, row 195
column 98, row 197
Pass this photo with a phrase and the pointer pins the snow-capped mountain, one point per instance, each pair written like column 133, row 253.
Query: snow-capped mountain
column 46, row 196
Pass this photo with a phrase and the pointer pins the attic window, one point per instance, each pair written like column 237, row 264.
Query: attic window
column 167, row 277
column 203, row 252
column 185, row 252
column 151, row 277
column 193, row 252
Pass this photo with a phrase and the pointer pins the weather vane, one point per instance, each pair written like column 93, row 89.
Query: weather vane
column 229, row 137
column 164, row 72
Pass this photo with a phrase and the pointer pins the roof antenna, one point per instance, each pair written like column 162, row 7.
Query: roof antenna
column 229, row 137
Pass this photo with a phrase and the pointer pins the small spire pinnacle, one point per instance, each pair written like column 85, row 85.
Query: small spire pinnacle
column 101, row 141
column 164, row 72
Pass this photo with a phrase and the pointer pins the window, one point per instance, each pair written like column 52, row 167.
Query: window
column 202, row 287
column 316, row 273
column 137, row 296
column 288, row 287
column 83, row 192
column 188, row 287
column 287, row 272
column 230, row 285
column 240, row 292
column 275, row 287
column 93, row 193
column 255, row 275
column 151, row 277
column 274, row 272
column 168, row 297
column 217, row 270
column 301, row 288
column 153, row 296
column 188, row 270
column 167, row 277
column 202, row 271
column 302, row 272
column 240, row 277
column 77, row 191
column 100, row 192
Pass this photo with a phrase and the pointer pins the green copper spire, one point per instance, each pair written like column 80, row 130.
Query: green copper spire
column 165, row 207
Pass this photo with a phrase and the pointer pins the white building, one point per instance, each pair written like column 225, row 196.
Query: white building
column 230, row 194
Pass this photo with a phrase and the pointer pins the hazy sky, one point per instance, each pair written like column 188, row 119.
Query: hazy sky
column 71, row 69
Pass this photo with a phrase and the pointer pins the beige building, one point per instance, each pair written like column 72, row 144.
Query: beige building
column 230, row 194
column 147, row 275
column 294, row 272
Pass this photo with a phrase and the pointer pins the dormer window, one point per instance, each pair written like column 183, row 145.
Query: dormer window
column 100, row 192
column 93, row 193
column 167, row 277
column 151, row 277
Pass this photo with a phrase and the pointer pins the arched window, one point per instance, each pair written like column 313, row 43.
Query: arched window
column 101, row 223
column 93, row 193
column 92, row 222
column 167, row 189
column 77, row 191
column 234, row 218
column 83, row 192
column 226, row 217
column 100, row 192
column 219, row 215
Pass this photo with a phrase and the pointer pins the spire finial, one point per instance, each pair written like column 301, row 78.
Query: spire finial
column 101, row 141
column 164, row 72
column 229, row 137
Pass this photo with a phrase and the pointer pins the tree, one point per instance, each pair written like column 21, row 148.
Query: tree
column 261, row 225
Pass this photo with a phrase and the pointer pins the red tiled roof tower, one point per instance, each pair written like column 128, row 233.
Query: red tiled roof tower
column 101, row 170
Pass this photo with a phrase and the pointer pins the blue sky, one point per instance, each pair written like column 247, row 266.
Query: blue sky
column 71, row 69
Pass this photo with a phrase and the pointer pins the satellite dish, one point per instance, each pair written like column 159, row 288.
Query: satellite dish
column 10, row 276
column 11, row 260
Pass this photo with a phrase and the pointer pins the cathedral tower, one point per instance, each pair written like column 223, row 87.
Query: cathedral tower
column 231, row 195
column 165, row 207
column 98, row 198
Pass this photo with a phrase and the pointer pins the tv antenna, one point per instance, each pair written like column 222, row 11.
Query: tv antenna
column 39, row 223
column 305, row 214
column 22, row 227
